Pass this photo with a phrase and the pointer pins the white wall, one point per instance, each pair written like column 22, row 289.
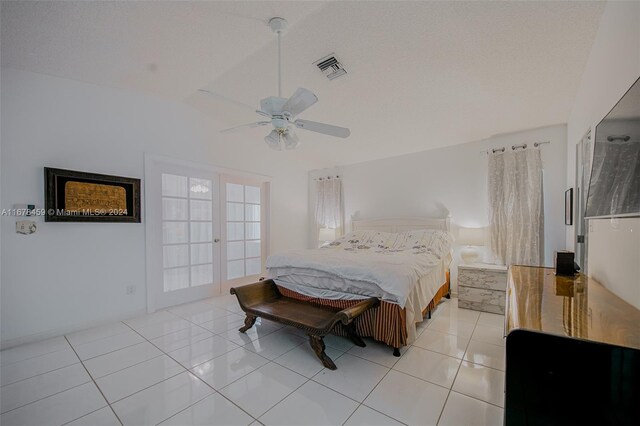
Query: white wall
column 71, row 275
column 452, row 180
column 613, row 66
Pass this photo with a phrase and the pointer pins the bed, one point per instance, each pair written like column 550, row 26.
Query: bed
column 403, row 262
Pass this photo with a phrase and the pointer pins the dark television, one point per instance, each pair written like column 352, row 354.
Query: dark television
column 614, row 188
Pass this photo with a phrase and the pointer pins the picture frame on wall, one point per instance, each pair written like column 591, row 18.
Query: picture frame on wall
column 568, row 207
column 74, row 196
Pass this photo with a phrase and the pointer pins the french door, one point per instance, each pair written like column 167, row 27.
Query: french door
column 206, row 231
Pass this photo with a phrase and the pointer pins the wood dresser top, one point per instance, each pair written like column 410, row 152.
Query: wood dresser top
column 578, row 307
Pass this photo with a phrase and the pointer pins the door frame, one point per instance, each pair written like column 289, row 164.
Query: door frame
column 153, row 214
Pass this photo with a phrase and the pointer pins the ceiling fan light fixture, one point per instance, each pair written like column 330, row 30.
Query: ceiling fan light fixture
column 273, row 140
column 290, row 139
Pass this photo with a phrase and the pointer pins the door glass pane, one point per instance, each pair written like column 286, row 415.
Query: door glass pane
column 201, row 232
column 235, row 192
column 201, row 210
column 201, row 274
column 235, row 269
column 174, row 232
column 174, row 209
column 201, row 253
column 235, row 250
column 252, row 212
column 174, row 186
column 253, row 248
column 235, row 212
column 175, row 256
column 253, row 231
column 252, row 194
column 200, row 188
column 235, row 231
column 254, row 266
column 176, row 279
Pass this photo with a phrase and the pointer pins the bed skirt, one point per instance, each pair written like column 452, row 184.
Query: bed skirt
column 385, row 323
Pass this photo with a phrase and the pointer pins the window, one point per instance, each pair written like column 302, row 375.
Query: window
column 244, row 230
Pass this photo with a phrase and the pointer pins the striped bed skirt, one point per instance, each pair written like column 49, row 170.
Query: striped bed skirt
column 385, row 323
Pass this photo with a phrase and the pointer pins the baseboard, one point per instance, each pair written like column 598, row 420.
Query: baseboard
column 9, row 343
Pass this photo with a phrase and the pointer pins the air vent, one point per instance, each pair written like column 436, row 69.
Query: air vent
column 330, row 67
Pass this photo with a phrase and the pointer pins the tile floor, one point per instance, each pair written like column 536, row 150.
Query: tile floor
column 189, row 365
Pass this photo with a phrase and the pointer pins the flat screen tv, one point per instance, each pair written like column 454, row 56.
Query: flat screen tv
column 614, row 187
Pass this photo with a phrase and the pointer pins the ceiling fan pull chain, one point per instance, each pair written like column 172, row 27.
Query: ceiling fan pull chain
column 279, row 64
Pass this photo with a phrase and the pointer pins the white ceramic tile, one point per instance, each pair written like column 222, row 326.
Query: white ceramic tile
column 152, row 331
column 148, row 319
column 486, row 354
column 132, row 379
column 209, row 315
column 180, row 339
column 222, row 301
column 365, row 416
column 463, row 410
column 202, row 351
column 311, row 404
column 260, row 390
column 114, row 361
column 408, row 399
column 275, row 344
column 486, row 384
column 21, row 370
column 489, row 334
column 101, row 417
column 227, row 368
column 451, row 325
column 430, row 366
column 493, row 320
column 26, row 391
column 224, row 324
column 296, row 331
column 269, row 323
column 466, row 315
column 338, row 342
column 97, row 333
column 31, row 350
column 303, row 360
column 213, row 410
column 161, row 401
column 108, row 344
column 377, row 352
column 256, row 332
column 447, row 344
column 190, row 308
column 57, row 409
column 355, row 377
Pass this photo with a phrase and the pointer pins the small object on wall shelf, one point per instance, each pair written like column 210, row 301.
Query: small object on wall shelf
column 481, row 287
column 26, row 227
column 568, row 207
column 564, row 262
column 72, row 196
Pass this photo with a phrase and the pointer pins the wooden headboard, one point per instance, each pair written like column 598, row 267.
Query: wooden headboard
column 402, row 224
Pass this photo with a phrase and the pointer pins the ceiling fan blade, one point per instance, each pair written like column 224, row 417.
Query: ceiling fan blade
column 300, row 101
column 327, row 129
column 264, row 114
column 226, row 99
column 245, row 126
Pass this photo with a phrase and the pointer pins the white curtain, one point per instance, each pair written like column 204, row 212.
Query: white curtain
column 516, row 210
column 329, row 205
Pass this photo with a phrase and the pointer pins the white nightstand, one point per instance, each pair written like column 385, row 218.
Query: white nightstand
column 482, row 287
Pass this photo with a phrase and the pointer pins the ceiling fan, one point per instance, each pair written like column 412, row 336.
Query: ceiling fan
column 282, row 112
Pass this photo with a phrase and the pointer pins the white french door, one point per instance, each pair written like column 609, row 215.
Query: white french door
column 205, row 231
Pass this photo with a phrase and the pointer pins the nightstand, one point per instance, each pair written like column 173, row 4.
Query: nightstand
column 482, row 287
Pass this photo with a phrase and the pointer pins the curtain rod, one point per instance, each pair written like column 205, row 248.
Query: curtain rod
column 513, row 147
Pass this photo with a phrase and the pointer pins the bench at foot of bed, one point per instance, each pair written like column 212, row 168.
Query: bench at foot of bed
column 264, row 300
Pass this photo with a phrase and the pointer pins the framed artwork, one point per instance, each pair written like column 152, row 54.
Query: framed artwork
column 568, row 207
column 72, row 196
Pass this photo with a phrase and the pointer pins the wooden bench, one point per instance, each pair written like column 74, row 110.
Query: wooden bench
column 264, row 300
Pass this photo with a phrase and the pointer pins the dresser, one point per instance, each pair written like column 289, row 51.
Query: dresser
column 573, row 352
column 482, row 287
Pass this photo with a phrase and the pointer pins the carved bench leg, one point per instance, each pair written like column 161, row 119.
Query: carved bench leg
column 248, row 323
column 396, row 351
column 351, row 333
column 317, row 344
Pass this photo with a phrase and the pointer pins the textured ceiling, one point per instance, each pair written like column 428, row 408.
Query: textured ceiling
column 420, row 74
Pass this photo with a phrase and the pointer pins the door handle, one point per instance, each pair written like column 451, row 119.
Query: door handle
column 216, row 240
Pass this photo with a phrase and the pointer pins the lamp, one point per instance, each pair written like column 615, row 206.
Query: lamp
column 290, row 139
column 470, row 238
column 273, row 140
column 326, row 235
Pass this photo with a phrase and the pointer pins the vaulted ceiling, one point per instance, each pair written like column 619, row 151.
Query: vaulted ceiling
column 420, row 74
